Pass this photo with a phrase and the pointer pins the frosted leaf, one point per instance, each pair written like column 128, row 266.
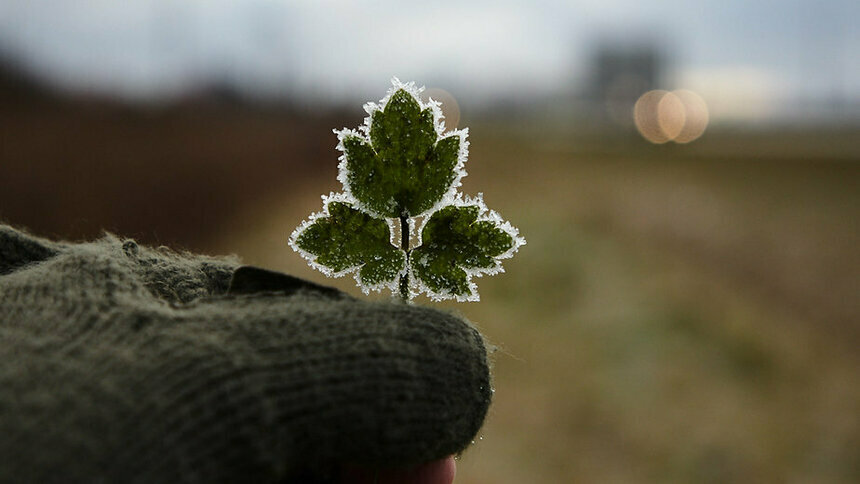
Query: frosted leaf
column 341, row 239
column 399, row 166
column 401, row 163
column 460, row 241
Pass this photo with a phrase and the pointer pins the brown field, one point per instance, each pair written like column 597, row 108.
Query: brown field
column 680, row 313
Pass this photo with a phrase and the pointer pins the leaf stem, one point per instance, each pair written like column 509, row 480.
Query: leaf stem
column 405, row 232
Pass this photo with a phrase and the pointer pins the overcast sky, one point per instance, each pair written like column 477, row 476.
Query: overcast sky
column 773, row 50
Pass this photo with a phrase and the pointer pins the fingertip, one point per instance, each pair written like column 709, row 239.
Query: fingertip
column 441, row 471
column 450, row 470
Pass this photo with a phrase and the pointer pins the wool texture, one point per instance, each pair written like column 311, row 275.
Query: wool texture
column 122, row 363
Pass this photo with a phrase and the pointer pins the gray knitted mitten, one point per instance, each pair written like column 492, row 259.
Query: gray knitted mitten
column 120, row 363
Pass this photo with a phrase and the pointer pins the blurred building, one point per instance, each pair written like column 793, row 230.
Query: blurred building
column 620, row 73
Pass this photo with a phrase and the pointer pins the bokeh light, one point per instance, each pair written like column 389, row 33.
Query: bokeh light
column 450, row 108
column 670, row 115
column 646, row 116
column 696, row 116
column 661, row 116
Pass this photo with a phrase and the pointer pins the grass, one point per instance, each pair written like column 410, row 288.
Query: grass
column 680, row 313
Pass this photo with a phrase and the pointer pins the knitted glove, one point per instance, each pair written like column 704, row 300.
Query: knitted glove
column 120, row 363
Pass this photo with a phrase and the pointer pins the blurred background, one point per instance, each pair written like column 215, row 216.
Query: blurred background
column 687, row 175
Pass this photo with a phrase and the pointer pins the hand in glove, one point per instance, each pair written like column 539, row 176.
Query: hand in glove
column 122, row 363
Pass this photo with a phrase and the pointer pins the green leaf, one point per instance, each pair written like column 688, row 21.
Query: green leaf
column 456, row 245
column 403, row 169
column 400, row 165
column 347, row 239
